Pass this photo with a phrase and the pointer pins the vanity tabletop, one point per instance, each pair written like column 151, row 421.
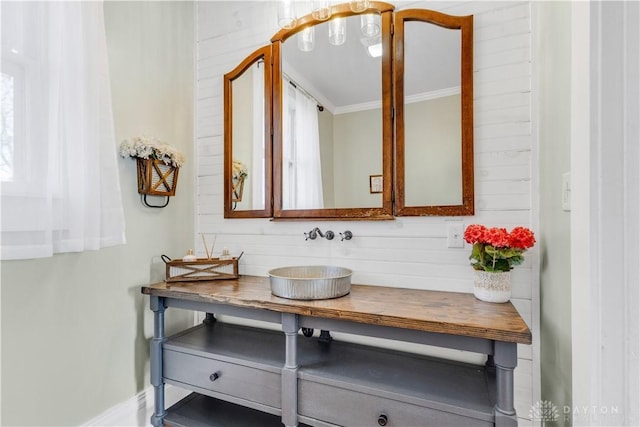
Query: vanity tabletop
column 431, row 311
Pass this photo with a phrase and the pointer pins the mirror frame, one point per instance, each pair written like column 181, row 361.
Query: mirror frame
column 465, row 24
column 386, row 211
column 265, row 54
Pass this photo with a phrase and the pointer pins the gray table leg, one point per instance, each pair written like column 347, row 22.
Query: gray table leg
column 209, row 319
column 159, row 412
column 290, row 371
column 505, row 359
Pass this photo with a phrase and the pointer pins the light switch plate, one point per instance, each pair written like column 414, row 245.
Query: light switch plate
column 455, row 234
column 566, row 191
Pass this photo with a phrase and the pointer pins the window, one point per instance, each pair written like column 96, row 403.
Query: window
column 8, row 118
column 60, row 187
column 301, row 166
column 13, row 165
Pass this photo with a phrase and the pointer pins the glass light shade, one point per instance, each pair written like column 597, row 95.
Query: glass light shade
column 375, row 50
column 321, row 10
column 337, row 31
column 373, row 46
column 370, row 24
column 306, row 39
column 286, row 14
column 359, row 5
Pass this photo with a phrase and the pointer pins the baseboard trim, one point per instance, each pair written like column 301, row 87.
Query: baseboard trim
column 135, row 408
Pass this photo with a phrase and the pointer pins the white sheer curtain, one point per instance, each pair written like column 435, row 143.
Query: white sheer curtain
column 63, row 192
column 302, row 171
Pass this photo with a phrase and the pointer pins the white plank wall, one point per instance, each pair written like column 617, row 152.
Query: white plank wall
column 405, row 252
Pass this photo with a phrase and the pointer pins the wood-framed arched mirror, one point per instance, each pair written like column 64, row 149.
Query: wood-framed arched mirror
column 332, row 112
column 433, row 83
column 367, row 126
column 247, row 138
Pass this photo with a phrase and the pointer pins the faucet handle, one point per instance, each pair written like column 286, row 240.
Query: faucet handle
column 347, row 235
column 311, row 235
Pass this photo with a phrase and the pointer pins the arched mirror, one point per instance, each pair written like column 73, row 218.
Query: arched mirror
column 367, row 122
column 332, row 116
column 433, row 77
column 247, row 138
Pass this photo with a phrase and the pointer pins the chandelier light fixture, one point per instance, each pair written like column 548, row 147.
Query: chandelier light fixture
column 370, row 25
column 337, row 31
column 373, row 46
column 287, row 14
column 306, row 39
column 321, row 10
column 359, row 5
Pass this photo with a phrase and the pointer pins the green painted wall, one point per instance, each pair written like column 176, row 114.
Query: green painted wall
column 75, row 327
column 554, row 53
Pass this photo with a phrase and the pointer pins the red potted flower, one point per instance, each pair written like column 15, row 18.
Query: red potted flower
column 495, row 252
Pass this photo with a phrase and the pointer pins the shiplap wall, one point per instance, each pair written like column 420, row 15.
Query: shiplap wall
column 405, row 252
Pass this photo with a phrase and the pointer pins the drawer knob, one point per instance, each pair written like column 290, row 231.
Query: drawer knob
column 383, row 420
column 214, row 376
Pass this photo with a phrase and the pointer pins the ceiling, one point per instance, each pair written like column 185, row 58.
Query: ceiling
column 345, row 78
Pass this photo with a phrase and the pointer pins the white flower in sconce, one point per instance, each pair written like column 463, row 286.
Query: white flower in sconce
column 144, row 147
column 239, row 170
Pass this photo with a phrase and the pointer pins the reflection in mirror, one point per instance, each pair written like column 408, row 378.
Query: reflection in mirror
column 332, row 133
column 432, row 136
column 434, row 126
column 247, row 131
column 331, row 116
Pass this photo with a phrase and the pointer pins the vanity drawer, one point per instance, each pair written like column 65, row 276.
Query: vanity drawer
column 340, row 406
column 231, row 379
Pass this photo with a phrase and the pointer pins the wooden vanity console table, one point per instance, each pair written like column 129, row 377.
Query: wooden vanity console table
column 247, row 376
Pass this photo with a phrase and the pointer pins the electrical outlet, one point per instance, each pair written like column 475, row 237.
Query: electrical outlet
column 454, row 235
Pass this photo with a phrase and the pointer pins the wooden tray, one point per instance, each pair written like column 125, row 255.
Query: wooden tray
column 202, row 269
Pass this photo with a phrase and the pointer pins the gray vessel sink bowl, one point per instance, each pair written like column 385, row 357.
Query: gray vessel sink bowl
column 310, row 282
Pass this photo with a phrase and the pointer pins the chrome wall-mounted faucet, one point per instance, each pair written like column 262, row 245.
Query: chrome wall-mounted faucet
column 329, row 235
column 347, row 235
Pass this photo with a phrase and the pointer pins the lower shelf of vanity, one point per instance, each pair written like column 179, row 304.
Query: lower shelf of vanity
column 339, row 383
column 197, row 410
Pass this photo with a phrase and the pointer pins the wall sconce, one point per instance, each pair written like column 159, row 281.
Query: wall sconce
column 155, row 178
column 237, row 188
column 157, row 163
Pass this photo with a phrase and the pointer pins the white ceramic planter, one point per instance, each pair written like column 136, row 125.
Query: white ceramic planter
column 492, row 286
